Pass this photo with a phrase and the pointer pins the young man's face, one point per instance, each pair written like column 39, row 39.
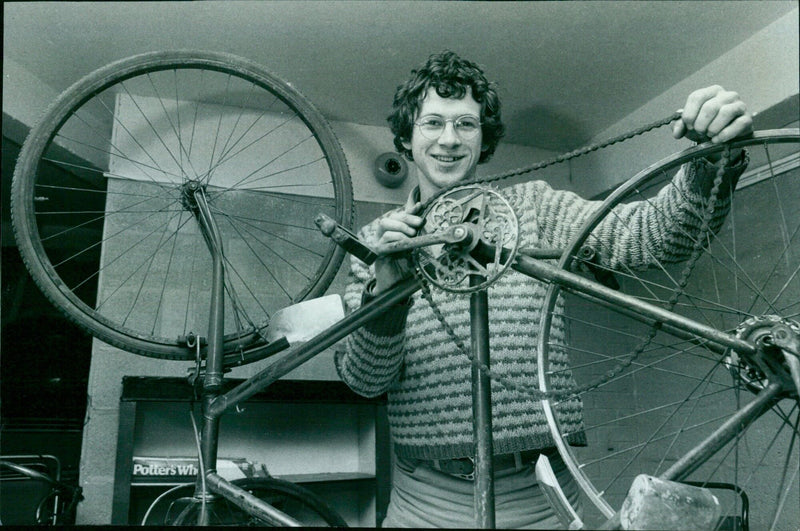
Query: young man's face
column 450, row 158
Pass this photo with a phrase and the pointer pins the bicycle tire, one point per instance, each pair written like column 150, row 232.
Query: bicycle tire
column 292, row 499
column 101, row 146
column 647, row 408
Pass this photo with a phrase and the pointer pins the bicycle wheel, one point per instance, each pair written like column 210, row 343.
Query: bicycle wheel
column 296, row 501
column 651, row 393
column 106, row 227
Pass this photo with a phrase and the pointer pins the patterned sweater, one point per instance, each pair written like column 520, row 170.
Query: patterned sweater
column 408, row 354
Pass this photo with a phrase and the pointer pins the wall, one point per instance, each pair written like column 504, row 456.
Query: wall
column 764, row 70
column 25, row 96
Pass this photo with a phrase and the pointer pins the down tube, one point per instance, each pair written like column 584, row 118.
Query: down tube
column 296, row 356
column 638, row 309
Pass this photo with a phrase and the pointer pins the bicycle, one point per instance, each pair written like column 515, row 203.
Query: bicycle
column 753, row 345
column 56, row 501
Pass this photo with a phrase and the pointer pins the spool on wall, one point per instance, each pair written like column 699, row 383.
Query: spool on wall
column 391, row 169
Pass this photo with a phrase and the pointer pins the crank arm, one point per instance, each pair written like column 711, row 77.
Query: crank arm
column 457, row 234
column 555, row 495
column 345, row 239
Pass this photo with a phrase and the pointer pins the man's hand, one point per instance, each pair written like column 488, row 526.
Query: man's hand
column 715, row 114
column 397, row 226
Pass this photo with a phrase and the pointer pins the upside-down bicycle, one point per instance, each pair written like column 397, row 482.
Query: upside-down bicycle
column 182, row 175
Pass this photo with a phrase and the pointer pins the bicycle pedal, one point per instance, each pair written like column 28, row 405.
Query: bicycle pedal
column 345, row 239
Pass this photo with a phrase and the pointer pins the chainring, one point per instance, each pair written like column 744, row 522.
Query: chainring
column 494, row 223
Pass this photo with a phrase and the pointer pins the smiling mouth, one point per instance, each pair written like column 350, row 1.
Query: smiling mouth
column 447, row 158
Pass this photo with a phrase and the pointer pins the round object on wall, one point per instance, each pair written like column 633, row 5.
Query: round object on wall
column 391, row 169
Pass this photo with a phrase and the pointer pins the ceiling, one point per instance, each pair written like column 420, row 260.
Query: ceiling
column 566, row 70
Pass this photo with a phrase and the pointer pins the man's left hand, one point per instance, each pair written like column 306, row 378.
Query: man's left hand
column 714, row 114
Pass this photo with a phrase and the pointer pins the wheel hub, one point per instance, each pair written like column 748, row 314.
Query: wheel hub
column 755, row 372
column 188, row 191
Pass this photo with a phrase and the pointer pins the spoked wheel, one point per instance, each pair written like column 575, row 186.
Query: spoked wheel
column 294, row 500
column 103, row 209
column 655, row 396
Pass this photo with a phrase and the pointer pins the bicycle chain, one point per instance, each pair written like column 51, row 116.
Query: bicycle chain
column 534, row 391
column 555, row 160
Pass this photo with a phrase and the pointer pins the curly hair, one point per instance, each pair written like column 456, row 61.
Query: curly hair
column 451, row 76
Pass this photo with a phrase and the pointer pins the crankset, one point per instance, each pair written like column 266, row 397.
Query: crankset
column 494, row 230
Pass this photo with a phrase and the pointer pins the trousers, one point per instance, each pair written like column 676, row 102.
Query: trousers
column 423, row 497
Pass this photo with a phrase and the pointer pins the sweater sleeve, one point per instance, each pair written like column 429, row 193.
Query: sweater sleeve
column 642, row 233
column 373, row 355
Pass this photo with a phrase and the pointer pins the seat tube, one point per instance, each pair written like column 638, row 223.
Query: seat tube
column 216, row 320
column 212, row 382
column 482, row 408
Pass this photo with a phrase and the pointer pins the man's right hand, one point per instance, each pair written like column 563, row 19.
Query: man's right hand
column 397, row 226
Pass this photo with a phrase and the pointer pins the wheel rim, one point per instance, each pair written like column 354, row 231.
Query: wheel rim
column 109, row 165
column 677, row 391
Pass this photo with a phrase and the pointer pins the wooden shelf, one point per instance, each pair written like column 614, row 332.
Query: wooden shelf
column 317, row 433
column 161, row 389
column 322, row 477
column 327, row 477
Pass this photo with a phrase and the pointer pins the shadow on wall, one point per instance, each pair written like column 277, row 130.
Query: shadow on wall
column 554, row 130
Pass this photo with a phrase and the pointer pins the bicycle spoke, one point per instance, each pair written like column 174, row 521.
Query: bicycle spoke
column 677, row 388
column 105, row 199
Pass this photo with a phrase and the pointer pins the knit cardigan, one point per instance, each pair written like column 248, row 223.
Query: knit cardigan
column 406, row 353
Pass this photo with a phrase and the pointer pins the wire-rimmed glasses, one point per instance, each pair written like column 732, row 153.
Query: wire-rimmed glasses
column 432, row 126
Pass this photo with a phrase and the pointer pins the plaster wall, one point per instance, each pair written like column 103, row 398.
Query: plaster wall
column 764, row 70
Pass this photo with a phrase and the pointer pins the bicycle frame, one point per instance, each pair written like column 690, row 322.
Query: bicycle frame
column 531, row 263
column 62, row 508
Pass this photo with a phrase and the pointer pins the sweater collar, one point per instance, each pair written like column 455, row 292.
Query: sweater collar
column 413, row 197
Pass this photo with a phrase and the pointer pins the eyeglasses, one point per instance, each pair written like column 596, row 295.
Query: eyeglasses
column 432, row 126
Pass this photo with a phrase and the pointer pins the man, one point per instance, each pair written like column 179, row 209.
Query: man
column 446, row 119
